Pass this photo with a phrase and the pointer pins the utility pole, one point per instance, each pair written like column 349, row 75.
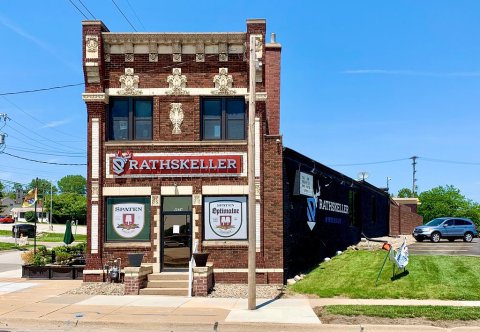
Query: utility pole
column 51, row 204
column 414, row 179
column 252, row 283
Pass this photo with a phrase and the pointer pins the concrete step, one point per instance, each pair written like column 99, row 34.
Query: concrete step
column 168, row 284
column 164, row 291
column 168, row 276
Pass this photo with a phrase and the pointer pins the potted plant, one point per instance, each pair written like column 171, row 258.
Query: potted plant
column 135, row 259
column 200, row 258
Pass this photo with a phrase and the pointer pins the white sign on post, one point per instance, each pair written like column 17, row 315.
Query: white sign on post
column 306, row 184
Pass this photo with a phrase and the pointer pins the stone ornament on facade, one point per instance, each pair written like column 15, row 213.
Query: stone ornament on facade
column 223, row 52
column 129, row 83
column 91, row 47
column 177, row 52
column 177, row 83
column 176, row 117
column 106, row 52
column 223, row 83
column 155, row 200
column 153, row 52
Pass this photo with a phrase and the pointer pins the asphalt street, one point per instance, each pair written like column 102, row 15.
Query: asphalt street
column 444, row 247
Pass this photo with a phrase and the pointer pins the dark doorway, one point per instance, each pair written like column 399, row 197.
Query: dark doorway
column 176, row 241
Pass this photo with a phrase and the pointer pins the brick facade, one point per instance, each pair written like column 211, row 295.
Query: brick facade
column 403, row 218
column 152, row 57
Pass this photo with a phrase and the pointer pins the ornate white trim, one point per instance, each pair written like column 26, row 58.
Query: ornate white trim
column 223, row 83
column 163, row 91
column 95, row 97
column 177, row 82
column 171, row 38
column 176, row 117
column 91, row 47
column 129, row 83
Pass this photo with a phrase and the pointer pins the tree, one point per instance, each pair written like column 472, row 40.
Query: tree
column 447, row 202
column 43, row 186
column 69, row 206
column 405, row 193
column 73, row 184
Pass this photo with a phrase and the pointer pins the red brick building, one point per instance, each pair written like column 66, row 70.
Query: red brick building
column 167, row 150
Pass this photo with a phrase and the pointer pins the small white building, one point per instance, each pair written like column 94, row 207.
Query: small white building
column 18, row 213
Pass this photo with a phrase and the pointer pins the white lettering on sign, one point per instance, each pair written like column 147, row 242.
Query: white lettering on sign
column 128, row 164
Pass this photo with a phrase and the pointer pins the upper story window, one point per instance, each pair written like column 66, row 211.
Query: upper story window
column 130, row 118
column 223, row 118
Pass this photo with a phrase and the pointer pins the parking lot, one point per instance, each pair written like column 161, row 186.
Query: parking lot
column 444, row 247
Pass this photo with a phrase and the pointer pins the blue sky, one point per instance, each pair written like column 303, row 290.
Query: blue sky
column 362, row 81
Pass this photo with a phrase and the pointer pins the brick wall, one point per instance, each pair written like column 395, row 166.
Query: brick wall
column 403, row 220
column 199, row 75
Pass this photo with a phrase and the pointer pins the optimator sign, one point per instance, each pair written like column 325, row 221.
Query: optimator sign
column 124, row 164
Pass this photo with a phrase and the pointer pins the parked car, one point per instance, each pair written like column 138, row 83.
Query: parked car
column 23, row 229
column 446, row 228
column 6, row 220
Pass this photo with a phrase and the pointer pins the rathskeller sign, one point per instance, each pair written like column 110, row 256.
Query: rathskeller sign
column 129, row 164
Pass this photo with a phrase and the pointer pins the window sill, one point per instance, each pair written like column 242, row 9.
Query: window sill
column 170, row 143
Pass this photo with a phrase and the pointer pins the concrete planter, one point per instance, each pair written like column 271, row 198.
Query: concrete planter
column 58, row 272
column 200, row 258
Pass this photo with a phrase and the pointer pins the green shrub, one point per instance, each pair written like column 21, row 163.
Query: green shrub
column 62, row 257
column 30, row 216
column 39, row 260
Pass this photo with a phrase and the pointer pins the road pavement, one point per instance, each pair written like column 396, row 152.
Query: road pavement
column 56, row 228
column 444, row 247
column 44, row 305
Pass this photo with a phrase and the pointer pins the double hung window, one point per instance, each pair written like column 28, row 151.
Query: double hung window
column 130, row 119
column 223, row 118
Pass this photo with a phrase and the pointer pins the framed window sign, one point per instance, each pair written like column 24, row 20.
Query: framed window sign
column 128, row 219
column 225, row 218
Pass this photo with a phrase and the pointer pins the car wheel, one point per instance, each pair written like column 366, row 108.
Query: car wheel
column 435, row 237
column 451, row 239
column 468, row 237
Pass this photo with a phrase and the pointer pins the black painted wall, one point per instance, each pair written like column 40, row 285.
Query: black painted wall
column 334, row 228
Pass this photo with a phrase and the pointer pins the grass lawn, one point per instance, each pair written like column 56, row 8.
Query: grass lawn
column 48, row 237
column 58, row 237
column 352, row 274
column 427, row 312
column 12, row 246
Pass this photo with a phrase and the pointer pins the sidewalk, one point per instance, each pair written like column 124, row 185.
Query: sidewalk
column 42, row 303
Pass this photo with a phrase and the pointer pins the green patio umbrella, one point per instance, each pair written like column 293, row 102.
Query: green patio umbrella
column 68, row 237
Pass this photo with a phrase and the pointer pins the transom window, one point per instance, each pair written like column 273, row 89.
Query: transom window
column 130, row 118
column 223, row 118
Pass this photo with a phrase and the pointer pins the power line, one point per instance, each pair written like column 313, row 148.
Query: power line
column 46, row 154
column 450, row 161
column 134, row 13
column 34, row 118
column 28, row 130
column 124, row 15
column 78, row 9
column 41, row 89
column 87, row 9
column 370, row 163
column 43, row 162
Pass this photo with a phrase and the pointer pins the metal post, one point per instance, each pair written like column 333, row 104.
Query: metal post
column 252, row 297
column 35, row 219
column 51, row 204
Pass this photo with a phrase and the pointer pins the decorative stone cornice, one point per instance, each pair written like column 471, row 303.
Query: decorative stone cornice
column 129, row 83
column 176, row 117
column 170, row 38
column 177, row 83
column 89, row 97
column 223, row 83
